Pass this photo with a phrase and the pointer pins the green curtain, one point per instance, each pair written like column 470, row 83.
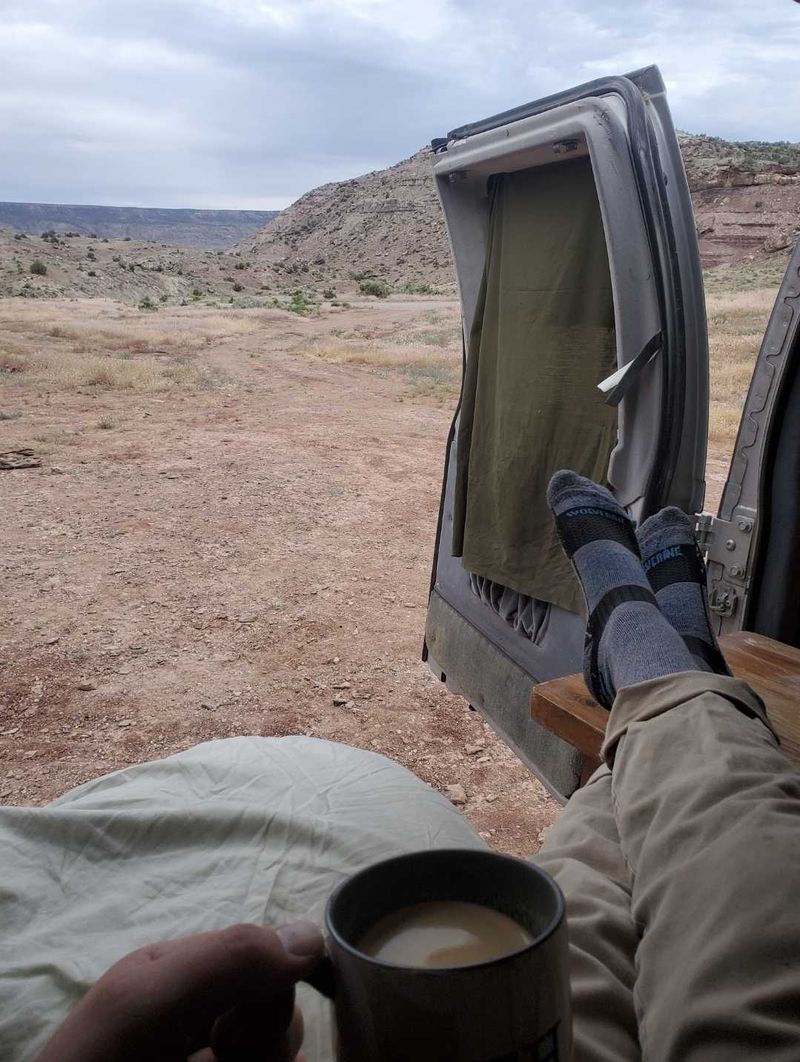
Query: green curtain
column 542, row 340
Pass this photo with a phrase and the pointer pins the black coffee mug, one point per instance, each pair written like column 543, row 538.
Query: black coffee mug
column 512, row 1009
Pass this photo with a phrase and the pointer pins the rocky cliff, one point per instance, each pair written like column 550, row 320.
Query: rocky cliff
column 746, row 196
column 388, row 224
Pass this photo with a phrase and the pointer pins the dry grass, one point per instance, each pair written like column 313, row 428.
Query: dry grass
column 746, row 276
column 736, row 323
column 68, row 370
column 110, row 327
column 428, row 358
column 62, row 346
column 430, row 370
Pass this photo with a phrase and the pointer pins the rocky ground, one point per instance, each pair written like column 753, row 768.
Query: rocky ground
column 235, row 540
column 53, row 265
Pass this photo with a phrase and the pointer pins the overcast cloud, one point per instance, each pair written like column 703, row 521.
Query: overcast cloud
column 249, row 103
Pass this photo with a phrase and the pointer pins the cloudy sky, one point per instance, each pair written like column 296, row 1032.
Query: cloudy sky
column 249, row 103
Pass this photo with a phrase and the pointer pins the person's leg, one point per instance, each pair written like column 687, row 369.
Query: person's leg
column 708, row 812
column 582, row 852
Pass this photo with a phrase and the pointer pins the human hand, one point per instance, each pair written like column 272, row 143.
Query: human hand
column 225, row 996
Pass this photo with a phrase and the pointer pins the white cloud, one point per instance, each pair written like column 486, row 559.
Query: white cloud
column 204, row 102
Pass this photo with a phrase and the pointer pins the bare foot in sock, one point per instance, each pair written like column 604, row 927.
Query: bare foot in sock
column 628, row 639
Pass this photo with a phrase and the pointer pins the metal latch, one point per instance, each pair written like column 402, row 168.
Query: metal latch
column 723, row 600
column 728, row 542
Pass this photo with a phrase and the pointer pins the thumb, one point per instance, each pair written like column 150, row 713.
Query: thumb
column 301, row 939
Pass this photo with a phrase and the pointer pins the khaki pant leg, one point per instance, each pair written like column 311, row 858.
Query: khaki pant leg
column 708, row 813
column 582, row 853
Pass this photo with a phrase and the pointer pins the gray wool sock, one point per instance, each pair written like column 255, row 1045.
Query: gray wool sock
column 628, row 639
column 677, row 576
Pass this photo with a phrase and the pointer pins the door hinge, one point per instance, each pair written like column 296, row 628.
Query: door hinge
column 726, row 545
column 702, row 530
column 728, row 542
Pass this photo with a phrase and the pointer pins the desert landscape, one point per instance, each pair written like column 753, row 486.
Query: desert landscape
column 225, row 515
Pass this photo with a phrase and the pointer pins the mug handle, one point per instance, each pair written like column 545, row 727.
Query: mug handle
column 322, row 978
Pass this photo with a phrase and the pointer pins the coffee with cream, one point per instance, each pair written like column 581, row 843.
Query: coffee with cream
column 443, row 933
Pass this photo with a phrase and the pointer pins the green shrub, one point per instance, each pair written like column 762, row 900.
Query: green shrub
column 147, row 304
column 379, row 288
column 329, row 293
column 301, row 303
column 38, row 268
column 238, row 287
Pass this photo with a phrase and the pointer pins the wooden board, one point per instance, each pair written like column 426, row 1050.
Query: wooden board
column 566, row 707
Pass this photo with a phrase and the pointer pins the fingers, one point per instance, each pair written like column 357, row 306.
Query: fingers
column 196, row 978
column 163, row 1000
column 247, row 1034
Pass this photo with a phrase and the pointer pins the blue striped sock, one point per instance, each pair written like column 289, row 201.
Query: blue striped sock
column 628, row 639
column 677, row 575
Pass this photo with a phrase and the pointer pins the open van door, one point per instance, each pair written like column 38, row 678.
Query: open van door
column 575, row 248
column 753, row 559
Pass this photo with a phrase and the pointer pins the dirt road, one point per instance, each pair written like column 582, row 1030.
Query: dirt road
column 246, row 556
